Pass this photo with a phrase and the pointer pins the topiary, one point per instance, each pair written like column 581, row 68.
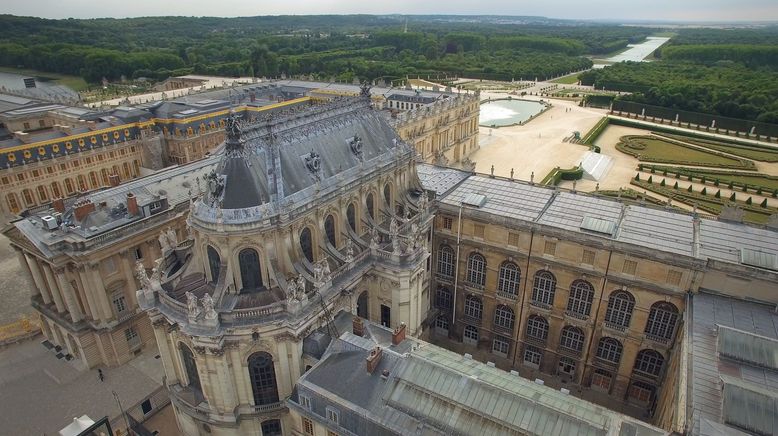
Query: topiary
column 675, row 186
column 662, row 183
column 718, row 194
column 764, row 203
column 650, row 179
column 689, row 189
column 749, row 201
column 732, row 197
column 704, row 191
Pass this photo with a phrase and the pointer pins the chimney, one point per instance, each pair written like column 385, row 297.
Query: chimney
column 58, row 205
column 83, row 208
column 132, row 204
column 373, row 359
column 399, row 334
column 113, row 179
column 358, row 326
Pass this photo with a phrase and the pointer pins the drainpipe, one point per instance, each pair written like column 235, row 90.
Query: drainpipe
column 456, row 265
column 595, row 321
column 523, row 296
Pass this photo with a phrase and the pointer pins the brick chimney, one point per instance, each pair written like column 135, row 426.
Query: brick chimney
column 82, row 208
column 58, row 205
column 114, row 180
column 132, row 204
column 373, row 359
column 399, row 334
column 358, row 326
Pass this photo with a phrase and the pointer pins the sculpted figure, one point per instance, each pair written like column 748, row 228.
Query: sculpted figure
column 191, row 305
column 140, row 273
column 207, row 301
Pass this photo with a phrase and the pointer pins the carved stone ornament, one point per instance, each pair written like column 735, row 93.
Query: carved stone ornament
column 207, row 302
column 191, row 305
column 313, row 162
column 355, row 144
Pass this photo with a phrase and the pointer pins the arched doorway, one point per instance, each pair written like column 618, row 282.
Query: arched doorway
column 263, row 378
column 362, row 308
column 250, row 273
column 214, row 263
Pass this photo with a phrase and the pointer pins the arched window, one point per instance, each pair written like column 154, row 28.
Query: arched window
column 601, row 379
column 609, row 350
column 28, row 199
column 471, row 335
column 543, row 288
column 93, row 180
column 443, row 298
column 190, row 367
column 82, row 186
column 473, row 307
column 649, row 362
column 351, row 215
column 581, row 296
column 263, row 379
column 306, row 244
column 476, row 269
column 56, row 192
column 329, row 229
column 572, row 338
column 620, row 306
column 271, row 427
column 388, row 197
column 504, row 317
column 69, row 186
column 250, row 272
column 104, row 176
column 369, row 203
column 662, row 320
column 446, row 261
column 510, row 275
column 214, row 263
column 441, row 322
column 13, row 203
column 127, row 172
column 537, row 327
column 42, row 193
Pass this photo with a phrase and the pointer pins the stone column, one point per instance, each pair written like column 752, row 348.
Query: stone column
column 101, row 298
column 37, row 277
column 54, row 288
column 23, row 262
column 159, row 327
column 229, row 395
column 69, row 295
column 80, row 293
column 132, row 286
column 88, row 294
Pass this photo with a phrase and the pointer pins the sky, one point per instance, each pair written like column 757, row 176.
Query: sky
column 632, row 10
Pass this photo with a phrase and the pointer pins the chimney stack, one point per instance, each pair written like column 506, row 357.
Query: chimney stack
column 399, row 334
column 58, row 205
column 113, row 179
column 132, row 204
column 358, row 326
column 83, row 208
column 373, row 359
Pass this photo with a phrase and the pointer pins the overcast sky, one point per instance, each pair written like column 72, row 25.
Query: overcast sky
column 678, row 10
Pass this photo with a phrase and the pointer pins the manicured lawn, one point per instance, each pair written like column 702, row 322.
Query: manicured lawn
column 756, row 153
column 73, row 82
column 567, row 80
column 753, row 180
column 653, row 149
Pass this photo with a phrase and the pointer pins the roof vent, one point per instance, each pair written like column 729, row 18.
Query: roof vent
column 50, row 222
column 565, row 391
column 468, row 356
column 598, row 225
column 490, row 364
column 514, row 372
column 474, row 200
column 759, row 259
column 539, row 381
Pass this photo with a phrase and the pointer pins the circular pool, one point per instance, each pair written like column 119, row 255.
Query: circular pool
column 501, row 113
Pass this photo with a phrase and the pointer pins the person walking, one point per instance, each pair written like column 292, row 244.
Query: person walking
column 100, row 374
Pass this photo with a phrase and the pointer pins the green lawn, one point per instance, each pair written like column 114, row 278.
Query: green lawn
column 768, row 183
column 763, row 154
column 653, row 149
column 567, row 80
column 73, row 82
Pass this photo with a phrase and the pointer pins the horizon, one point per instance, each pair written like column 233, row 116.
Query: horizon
column 763, row 12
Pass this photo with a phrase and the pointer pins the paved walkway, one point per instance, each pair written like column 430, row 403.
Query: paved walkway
column 39, row 394
column 15, row 287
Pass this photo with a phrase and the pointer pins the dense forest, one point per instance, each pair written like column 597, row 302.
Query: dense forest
column 326, row 47
column 729, row 72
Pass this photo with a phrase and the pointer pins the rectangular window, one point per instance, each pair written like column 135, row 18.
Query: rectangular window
column 305, row 401
column 500, row 346
column 513, row 239
column 36, row 173
column 42, row 123
column 5, row 180
column 674, row 277
column 331, row 433
column 448, row 223
column 50, row 170
column 588, row 257
column 130, row 334
column 549, row 248
column 26, row 126
column 20, row 177
column 532, row 356
column 63, row 167
column 333, row 415
column 478, row 231
column 630, row 266
column 138, row 253
column 119, row 302
column 307, row 426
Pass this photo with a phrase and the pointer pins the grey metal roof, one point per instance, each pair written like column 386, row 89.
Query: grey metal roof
column 659, row 229
column 504, row 198
column 724, row 240
column 568, row 211
column 439, row 179
column 713, row 359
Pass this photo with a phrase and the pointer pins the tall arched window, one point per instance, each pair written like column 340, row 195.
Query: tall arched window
column 446, row 261
column 93, row 180
column 28, row 198
column 510, row 275
column 329, row 229
column 543, row 288
column 388, row 197
column 263, row 379
column 69, row 186
column 662, row 320
column 190, row 367
column 370, row 203
column 13, row 203
column 581, row 296
column 42, row 193
column 504, row 317
column 649, row 362
column 476, row 269
column 104, row 176
column 620, row 306
column 250, row 272
column 56, row 192
column 471, row 335
column 351, row 215
column 82, row 186
column 572, row 338
column 609, row 350
column 473, row 307
column 443, row 298
column 306, row 244
column 214, row 263
column 537, row 327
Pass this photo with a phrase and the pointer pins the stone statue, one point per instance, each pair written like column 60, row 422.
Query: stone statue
column 326, row 273
column 317, row 272
column 300, row 287
column 207, row 301
column 349, row 251
column 140, row 273
column 423, row 203
column 163, row 242
column 393, row 228
column 291, row 290
column 375, row 238
column 156, row 272
column 172, row 238
column 191, row 305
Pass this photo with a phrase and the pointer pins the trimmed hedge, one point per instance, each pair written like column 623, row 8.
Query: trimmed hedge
column 595, row 131
column 557, row 175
